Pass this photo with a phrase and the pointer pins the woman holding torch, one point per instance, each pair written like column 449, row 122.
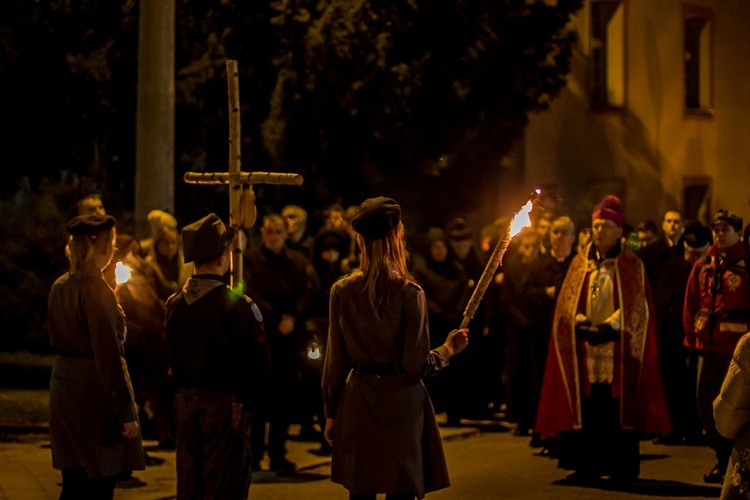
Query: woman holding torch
column 379, row 418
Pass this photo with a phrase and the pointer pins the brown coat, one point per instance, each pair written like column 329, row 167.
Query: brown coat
column 732, row 415
column 90, row 392
column 385, row 438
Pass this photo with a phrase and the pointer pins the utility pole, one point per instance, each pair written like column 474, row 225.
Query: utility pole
column 154, row 156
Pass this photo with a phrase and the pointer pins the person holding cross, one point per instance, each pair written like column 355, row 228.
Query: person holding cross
column 219, row 362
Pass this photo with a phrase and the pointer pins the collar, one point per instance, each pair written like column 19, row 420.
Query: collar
column 560, row 259
column 268, row 254
column 199, row 285
column 732, row 254
column 611, row 254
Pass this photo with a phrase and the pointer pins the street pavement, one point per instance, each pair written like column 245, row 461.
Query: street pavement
column 484, row 459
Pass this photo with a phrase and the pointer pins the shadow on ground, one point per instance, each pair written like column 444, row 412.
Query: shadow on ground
column 649, row 487
column 481, row 425
column 265, row 476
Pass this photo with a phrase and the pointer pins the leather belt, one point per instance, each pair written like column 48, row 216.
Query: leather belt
column 379, row 369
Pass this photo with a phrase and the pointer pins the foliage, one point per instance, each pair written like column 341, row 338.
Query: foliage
column 67, row 89
column 32, row 256
column 360, row 96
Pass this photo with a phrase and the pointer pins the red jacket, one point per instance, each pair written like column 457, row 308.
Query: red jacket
column 717, row 313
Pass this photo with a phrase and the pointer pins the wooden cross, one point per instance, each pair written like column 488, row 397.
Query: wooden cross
column 241, row 197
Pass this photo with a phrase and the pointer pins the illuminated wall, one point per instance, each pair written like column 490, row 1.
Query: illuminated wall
column 657, row 110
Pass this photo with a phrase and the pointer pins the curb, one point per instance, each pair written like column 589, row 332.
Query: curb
column 462, row 434
column 24, row 429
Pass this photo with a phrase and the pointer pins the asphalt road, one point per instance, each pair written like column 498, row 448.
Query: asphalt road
column 492, row 464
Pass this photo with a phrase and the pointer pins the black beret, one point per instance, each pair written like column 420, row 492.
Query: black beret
column 458, row 229
column 733, row 220
column 376, row 217
column 90, row 224
column 204, row 239
column 696, row 235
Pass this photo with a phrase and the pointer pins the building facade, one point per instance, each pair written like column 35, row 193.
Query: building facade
column 656, row 111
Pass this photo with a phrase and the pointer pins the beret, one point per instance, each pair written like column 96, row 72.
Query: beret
column 205, row 239
column 733, row 220
column 90, row 224
column 376, row 217
column 696, row 235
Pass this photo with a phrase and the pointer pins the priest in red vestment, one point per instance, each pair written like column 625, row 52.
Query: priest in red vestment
column 602, row 384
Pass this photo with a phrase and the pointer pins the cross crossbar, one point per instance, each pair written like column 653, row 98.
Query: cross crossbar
column 241, row 196
column 218, row 178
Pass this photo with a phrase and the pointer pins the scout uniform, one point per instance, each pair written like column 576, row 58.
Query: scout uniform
column 219, row 359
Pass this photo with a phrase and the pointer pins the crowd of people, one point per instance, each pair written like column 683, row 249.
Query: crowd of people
column 579, row 333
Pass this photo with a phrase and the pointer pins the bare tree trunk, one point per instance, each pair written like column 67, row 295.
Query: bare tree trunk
column 154, row 158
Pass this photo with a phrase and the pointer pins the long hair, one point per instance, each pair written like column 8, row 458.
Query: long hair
column 82, row 250
column 382, row 261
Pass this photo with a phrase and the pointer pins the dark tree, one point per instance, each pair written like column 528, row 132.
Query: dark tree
column 419, row 100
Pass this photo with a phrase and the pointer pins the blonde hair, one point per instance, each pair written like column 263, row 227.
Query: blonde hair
column 381, row 261
column 564, row 223
column 82, row 250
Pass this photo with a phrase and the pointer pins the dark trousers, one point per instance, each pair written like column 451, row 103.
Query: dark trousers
column 283, row 401
column 519, row 376
column 213, row 459
column 712, row 368
column 389, row 496
column 681, row 377
column 278, row 419
column 601, row 447
column 77, row 484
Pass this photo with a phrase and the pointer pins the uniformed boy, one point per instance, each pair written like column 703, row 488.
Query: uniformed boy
column 219, row 364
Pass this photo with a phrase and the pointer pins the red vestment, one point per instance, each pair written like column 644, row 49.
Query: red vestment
column 637, row 378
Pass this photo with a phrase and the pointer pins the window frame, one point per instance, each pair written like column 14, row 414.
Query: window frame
column 595, row 103
column 693, row 11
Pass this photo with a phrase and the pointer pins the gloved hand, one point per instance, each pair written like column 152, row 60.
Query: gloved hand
column 596, row 334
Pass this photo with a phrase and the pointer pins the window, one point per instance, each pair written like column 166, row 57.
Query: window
column 698, row 57
column 697, row 198
column 608, row 53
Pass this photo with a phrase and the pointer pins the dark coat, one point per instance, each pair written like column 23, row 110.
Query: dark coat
column 279, row 284
column 91, row 396
column 543, row 272
column 386, row 438
column 446, row 286
column 217, row 341
column 219, row 355
column 655, row 256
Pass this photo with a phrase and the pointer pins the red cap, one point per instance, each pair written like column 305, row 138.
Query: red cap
column 610, row 208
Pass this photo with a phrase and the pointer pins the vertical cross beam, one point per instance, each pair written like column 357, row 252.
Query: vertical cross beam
column 241, row 196
column 235, row 159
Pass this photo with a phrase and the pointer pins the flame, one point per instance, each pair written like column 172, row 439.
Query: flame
column 521, row 219
column 122, row 273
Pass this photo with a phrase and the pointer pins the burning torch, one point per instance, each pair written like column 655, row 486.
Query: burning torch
column 517, row 222
column 122, row 273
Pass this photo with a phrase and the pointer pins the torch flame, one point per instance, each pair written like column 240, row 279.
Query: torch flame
column 122, row 273
column 521, row 219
